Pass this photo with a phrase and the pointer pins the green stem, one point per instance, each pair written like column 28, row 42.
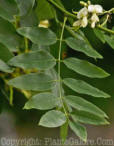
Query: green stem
column 107, row 17
column 26, row 45
column 62, row 9
column 17, row 21
column 105, row 29
column 59, row 67
column 11, row 96
column 109, row 11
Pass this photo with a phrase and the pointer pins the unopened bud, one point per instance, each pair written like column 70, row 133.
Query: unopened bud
column 83, row 3
column 44, row 24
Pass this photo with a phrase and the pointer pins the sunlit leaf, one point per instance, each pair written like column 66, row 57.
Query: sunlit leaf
column 84, row 105
column 44, row 10
column 88, row 118
column 52, row 119
column 110, row 40
column 84, row 88
column 42, row 101
column 38, row 59
column 82, row 46
column 4, row 67
column 64, row 131
column 8, row 35
column 8, row 9
column 79, row 130
column 25, row 6
column 36, row 47
column 40, row 36
column 100, row 35
column 85, row 68
column 33, row 81
column 29, row 20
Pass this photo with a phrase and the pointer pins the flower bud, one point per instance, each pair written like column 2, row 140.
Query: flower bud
column 83, row 3
column 44, row 24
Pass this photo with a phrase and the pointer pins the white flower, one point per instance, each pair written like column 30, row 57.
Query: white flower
column 91, row 8
column 93, row 24
column 95, row 9
column 94, row 20
column 98, row 8
column 82, row 16
column 84, row 22
column 44, row 24
column 77, row 23
column 82, row 13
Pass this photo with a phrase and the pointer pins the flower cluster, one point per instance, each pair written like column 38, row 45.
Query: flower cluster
column 88, row 14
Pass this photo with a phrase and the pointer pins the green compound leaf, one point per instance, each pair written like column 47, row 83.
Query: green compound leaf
column 44, row 10
column 53, row 119
column 29, row 20
column 64, row 131
column 84, row 88
column 39, row 59
column 36, row 47
column 110, row 40
column 88, row 118
column 85, row 68
column 8, row 9
column 4, row 67
column 82, row 46
column 40, row 36
column 5, row 54
column 79, row 130
column 33, row 81
column 100, row 35
column 84, row 105
column 42, row 101
column 8, row 35
column 25, row 6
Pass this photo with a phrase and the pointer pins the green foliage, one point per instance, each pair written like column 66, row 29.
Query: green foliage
column 53, row 119
column 82, row 67
column 42, row 101
column 88, row 118
column 84, row 88
column 25, row 6
column 5, row 54
column 8, row 35
column 83, row 105
column 79, row 130
column 82, row 46
column 110, row 40
column 8, row 9
column 44, row 10
column 27, row 62
column 40, row 60
column 46, row 36
column 4, row 67
column 33, row 81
